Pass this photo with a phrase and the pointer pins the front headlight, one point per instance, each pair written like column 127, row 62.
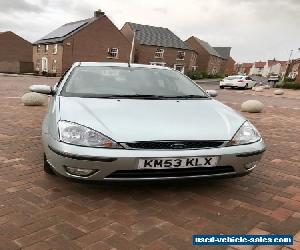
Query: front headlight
column 76, row 134
column 246, row 134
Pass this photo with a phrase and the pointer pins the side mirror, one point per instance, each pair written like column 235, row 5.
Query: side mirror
column 42, row 89
column 212, row 93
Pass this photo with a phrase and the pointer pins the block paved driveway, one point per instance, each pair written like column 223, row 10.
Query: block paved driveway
column 45, row 212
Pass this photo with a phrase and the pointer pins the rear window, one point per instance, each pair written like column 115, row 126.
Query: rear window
column 233, row 77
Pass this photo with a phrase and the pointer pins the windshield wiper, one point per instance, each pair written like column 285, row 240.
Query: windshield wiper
column 137, row 96
column 152, row 97
column 188, row 97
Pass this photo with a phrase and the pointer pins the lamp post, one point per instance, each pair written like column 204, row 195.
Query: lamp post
column 288, row 65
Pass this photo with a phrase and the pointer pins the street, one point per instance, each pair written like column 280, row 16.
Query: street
column 38, row 211
column 272, row 101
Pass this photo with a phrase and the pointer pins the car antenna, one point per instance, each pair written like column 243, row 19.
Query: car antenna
column 132, row 48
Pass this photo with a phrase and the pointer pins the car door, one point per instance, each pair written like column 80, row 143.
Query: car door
column 251, row 83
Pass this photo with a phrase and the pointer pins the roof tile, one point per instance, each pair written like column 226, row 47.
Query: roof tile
column 207, row 47
column 157, row 36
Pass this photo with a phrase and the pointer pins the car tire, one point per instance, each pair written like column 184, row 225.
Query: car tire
column 221, row 87
column 246, row 86
column 47, row 167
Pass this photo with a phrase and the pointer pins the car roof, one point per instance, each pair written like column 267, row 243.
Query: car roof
column 122, row 65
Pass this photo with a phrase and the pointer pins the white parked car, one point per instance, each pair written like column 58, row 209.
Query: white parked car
column 237, row 81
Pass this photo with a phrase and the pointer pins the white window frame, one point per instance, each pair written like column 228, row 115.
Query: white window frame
column 182, row 70
column 113, row 53
column 159, row 53
column 46, row 48
column 55, row 46
column 38, row 48
column 178, row 53
column 194, row 56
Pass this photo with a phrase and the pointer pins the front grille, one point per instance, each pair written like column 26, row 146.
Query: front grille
column 174, row 144
column 178, row 172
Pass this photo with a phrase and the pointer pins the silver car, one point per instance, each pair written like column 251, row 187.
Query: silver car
column 116, row 121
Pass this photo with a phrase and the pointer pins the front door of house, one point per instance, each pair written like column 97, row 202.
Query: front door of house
column 44, row 64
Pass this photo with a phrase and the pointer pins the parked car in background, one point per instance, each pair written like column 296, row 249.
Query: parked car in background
column 115, row 121
column 237, row 81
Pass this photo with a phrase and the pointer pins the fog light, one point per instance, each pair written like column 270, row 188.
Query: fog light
column 250, row 165
column 80, row 171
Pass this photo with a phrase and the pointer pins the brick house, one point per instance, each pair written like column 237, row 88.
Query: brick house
column 293, row 70
column 257, row 68
column 15, row 53
column 93, row 39
column 274, row 67
column 298, row 76
column 243, row 68
column 208, row 59
column 159, row 46
column 227, row 65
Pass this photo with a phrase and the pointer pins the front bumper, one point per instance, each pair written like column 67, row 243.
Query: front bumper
column 121, row 164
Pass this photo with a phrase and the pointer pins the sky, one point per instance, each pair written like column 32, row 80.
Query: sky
column 255, row 29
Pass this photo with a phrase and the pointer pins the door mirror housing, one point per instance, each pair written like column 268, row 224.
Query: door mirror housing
column 212, row 93
column 42, row 89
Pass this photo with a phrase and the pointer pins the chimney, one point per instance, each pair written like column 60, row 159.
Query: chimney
column 98, row 13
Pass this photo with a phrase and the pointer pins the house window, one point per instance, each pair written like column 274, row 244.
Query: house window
column 55, row 49
column 180, row 55
column 179, row 67
column 46, row 48
column 54, row 66
column 38, row 48
column 159, row 53
column 194, row 68
column 193, row 57
column 113, row 52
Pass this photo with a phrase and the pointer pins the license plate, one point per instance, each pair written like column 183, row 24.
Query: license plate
column 190, row 162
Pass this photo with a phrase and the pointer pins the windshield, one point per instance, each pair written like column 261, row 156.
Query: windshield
column 109, row 82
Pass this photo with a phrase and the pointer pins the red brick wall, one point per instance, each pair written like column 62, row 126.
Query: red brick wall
column 92, row 42
column 203, row 57
column 205, row 62
column 214, row 65
column 229, row 66
column 13, row 50
column 145, row 54
column 298, row 76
